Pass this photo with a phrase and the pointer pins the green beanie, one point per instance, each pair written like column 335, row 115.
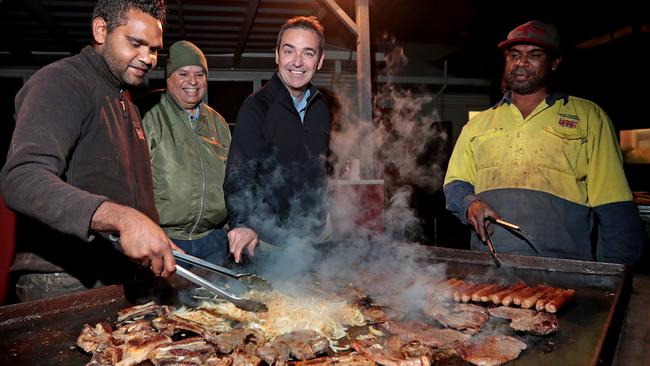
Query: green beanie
column 184, row 53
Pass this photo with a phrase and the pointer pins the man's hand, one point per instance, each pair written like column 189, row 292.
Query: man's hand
column 242, row 238
column 477, row 213
column 141, row 239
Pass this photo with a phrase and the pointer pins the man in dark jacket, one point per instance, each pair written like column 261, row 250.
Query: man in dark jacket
column 276, row 174
column 78, row 161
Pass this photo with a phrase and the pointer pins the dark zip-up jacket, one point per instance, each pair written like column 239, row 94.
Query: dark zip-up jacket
column 276, row 175
column 78, row 142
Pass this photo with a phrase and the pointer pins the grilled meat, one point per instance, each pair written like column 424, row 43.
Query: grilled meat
column 137, row 311
column 540, row 324
column 236, row 339
column 353, row 359
column 412, row 330
column 300, row 344
column 137, row 346
column 172, row 324
column 493, row 350
column 189, row 351
column 466, row 318
column 106, row 355
column 91, row 337
column 387, row 358
column 507, row 312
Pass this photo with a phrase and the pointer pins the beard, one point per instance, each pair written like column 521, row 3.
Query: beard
column 531, row 83
column 114, row 65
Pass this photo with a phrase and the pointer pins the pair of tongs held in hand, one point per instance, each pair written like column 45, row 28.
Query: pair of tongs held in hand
column 251, row 281
column 516, row 229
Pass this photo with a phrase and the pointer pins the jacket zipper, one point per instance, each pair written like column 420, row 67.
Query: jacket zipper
column 129, row 128
column 198, row 151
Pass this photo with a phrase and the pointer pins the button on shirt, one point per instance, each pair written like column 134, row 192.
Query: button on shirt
column 301, row 105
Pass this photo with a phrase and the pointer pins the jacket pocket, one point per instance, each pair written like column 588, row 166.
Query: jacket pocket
column 562, row 151
column 489, row 148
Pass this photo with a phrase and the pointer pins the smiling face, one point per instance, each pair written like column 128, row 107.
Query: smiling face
column 528, row 68
column 130, row 50
column 188, row 85
column 298, row 59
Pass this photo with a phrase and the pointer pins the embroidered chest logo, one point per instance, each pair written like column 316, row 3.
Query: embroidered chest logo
column 568, row 120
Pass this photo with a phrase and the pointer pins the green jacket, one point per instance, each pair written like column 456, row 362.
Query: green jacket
column 188, row 166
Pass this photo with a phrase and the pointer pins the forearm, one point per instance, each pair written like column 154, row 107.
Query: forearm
column 621, row 232
column 459, row 195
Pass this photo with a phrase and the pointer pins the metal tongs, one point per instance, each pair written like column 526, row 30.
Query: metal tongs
column 252, row 281
column 515, row 229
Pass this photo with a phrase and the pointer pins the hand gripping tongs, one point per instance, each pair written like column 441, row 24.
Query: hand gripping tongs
column 515, row 229
column 252, row 281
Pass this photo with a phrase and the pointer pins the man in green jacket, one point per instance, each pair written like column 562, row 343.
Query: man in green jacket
column 188, row 144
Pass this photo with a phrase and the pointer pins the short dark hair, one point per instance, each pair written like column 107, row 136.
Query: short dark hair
column 114, row 12
column 307, row 23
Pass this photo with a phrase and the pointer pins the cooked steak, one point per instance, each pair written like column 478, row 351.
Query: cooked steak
column 412, row 330
column 91, row 337
column 188, row 351
column 506, row 312
column 137, row 311
column 106, row 355
column 172, row 324
column 218, row 361
column 467, row 318
column 137, row 346
column 387, row 358
column 301, row 344
column 353, row 359
column 122, row 333
column 540, row 324
column 493, row 350
column 236, row 339
column 243, row 359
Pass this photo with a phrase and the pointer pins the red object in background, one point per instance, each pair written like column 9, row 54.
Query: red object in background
column 7, row 246
column 358, row 205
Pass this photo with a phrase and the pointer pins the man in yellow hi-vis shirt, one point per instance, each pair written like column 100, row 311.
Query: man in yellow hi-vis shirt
column 546, row 161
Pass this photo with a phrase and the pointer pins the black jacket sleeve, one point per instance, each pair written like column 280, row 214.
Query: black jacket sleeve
column 49, row 120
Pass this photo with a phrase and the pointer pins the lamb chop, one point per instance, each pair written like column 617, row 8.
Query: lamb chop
column 189, row 351
column 91, row 337
column 137, row 311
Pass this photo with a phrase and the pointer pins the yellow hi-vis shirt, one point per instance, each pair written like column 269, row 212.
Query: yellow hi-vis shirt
column 568, row 149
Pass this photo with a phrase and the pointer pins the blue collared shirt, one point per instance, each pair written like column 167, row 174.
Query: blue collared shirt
column 301, row 106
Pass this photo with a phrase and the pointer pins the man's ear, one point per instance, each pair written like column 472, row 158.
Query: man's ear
column 320, row 62
column 100, row 29
column 556, row 63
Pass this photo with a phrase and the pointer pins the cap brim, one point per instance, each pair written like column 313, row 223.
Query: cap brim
column 509, row 42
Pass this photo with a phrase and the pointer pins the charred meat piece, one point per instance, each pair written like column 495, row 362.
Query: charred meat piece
column 184, row 352
column 218, row 361
column 275, row 353
column 412, row 330
column 302, row 344
column 466, row 318
column 106, row 355
column 353, row 359
column 240, row 358
column 122, row 333
column 387, row 358
column 506, row 312
column 137, row 346
column 236, row 339
column 540, row 324
column 137, row 311
column 493, row 350
column 91, row 337
column 172, row 324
